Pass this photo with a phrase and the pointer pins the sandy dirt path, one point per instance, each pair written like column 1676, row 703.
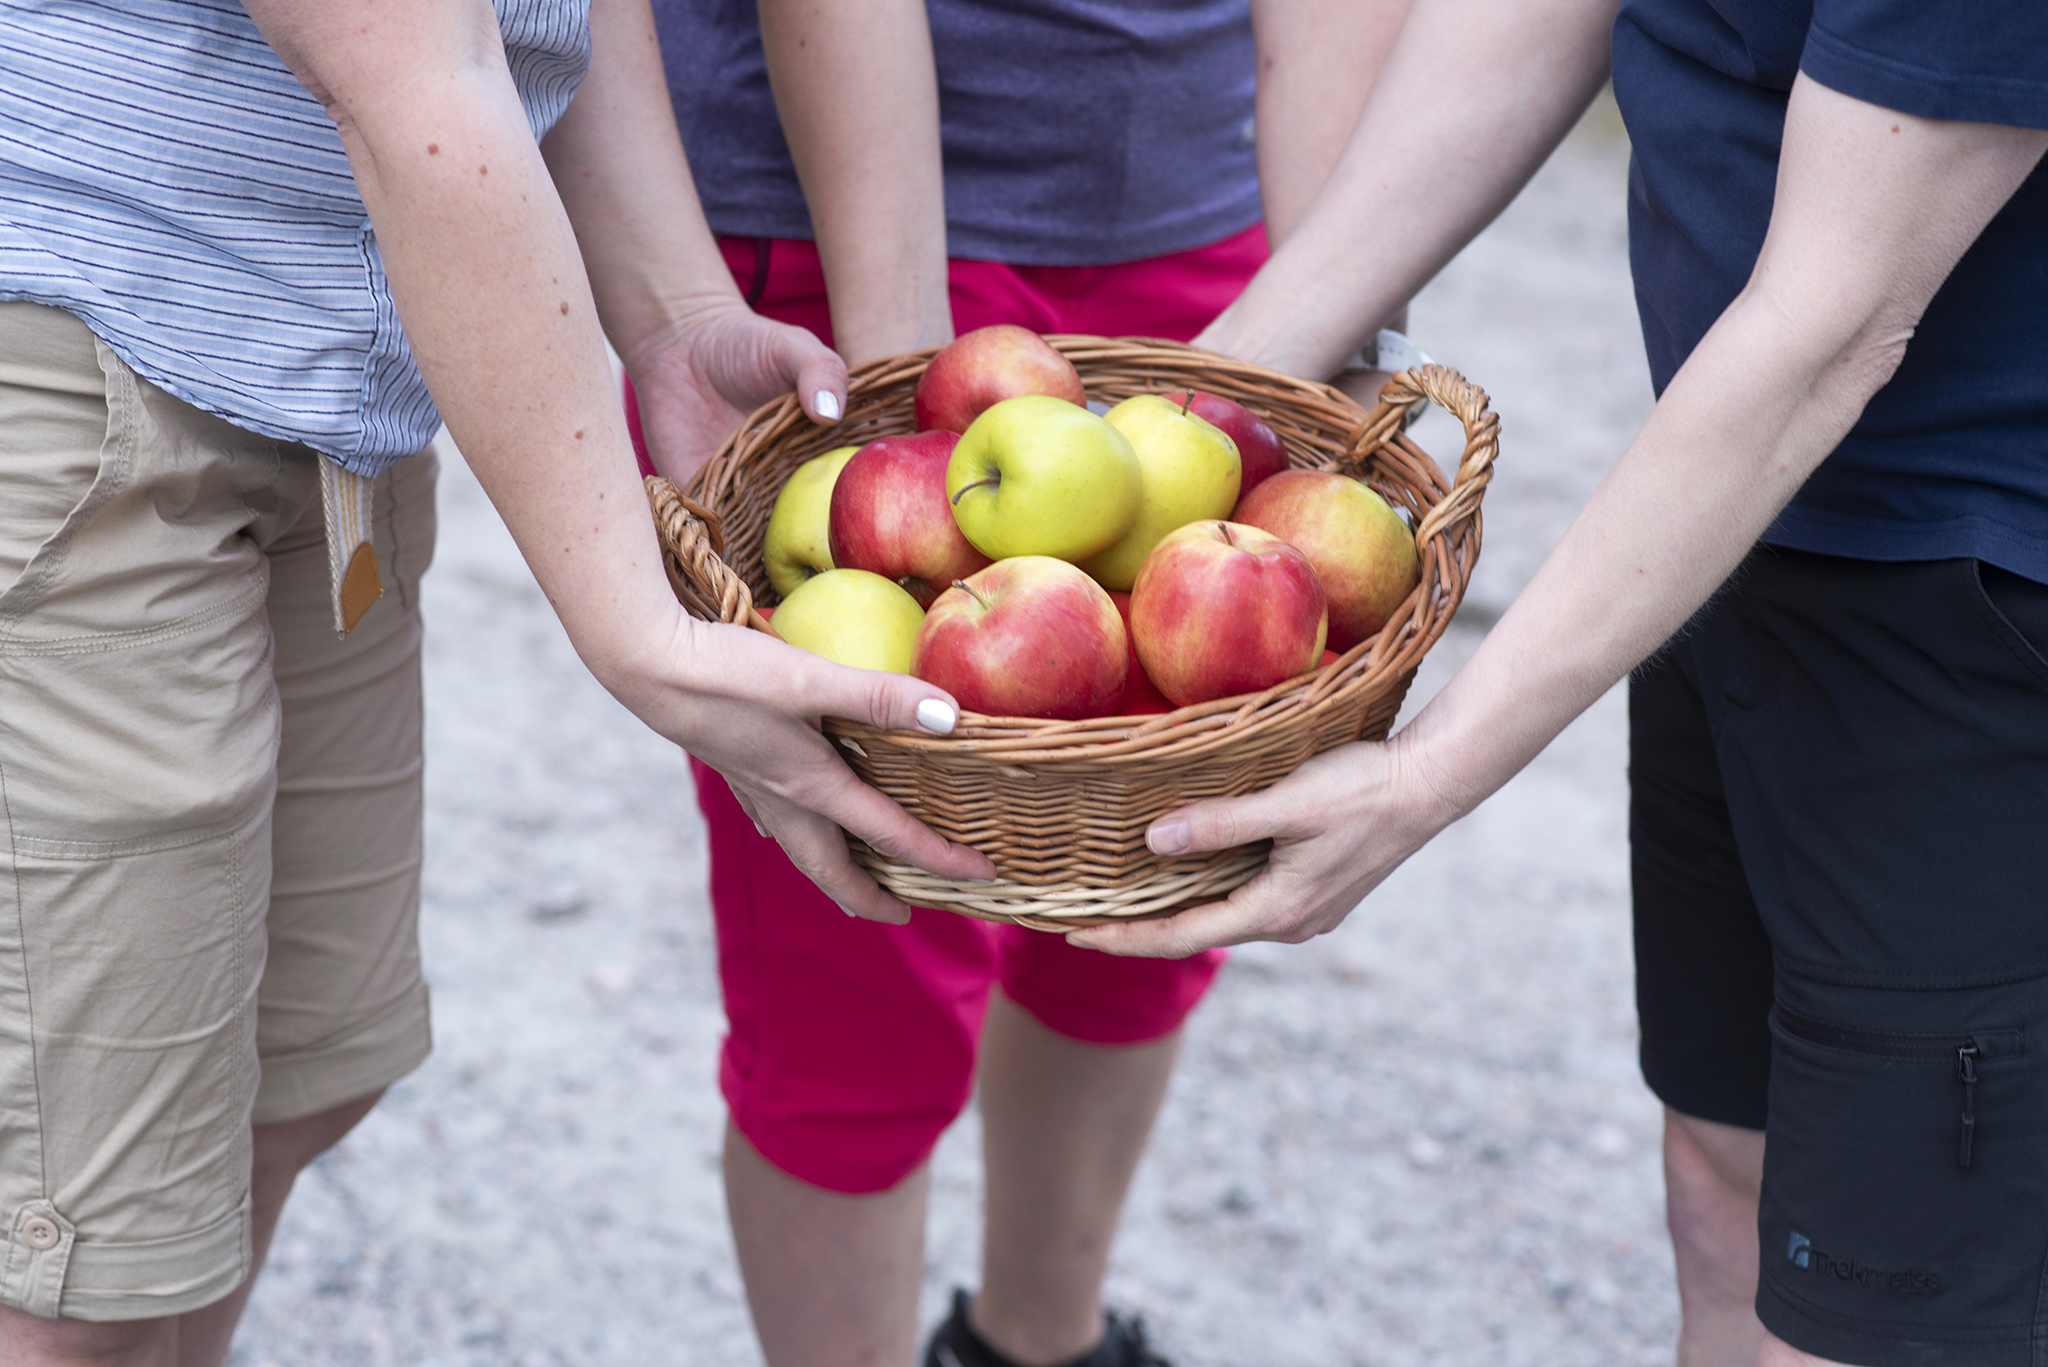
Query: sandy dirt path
column 1419, row 1140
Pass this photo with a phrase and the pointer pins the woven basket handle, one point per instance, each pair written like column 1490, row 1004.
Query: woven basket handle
column 691, row 553
column 1463, row 400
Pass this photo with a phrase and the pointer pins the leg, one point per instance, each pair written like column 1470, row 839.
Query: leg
column 1063, row 1126
column 1712, row 1174
column 832, row 1280
column 282, row 1151
column 1778, row 1353
column 28, row 1341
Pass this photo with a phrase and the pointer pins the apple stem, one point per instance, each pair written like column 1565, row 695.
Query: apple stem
column 996, row 478
column 1228, row 539
column 968, row 589
column 1187, row 401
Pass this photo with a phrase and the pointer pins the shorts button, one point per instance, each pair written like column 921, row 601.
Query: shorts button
column 40, row 1232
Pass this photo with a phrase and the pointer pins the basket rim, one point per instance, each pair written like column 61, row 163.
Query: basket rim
column 1448, row 532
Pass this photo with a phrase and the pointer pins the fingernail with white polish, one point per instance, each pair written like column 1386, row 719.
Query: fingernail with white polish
column 937, row 717
column 848, row 910
column 760, row 830
column 1168, row 837
column 827, row 404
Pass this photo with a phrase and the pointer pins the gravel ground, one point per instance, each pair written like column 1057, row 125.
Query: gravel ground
column 1419, row 1140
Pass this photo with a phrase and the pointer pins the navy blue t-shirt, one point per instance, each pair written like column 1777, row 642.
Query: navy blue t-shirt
column 1950, row 458
column 1075, row 132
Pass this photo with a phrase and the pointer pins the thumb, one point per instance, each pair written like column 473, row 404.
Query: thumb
column 1215, row 825
column 815, row 371
column 893, row 702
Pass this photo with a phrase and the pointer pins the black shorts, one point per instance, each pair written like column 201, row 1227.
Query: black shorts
column 1839, row 823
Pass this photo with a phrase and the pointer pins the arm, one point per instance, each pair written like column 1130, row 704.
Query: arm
column 1873, row 210
column 699, row 358
column 485, row 272
column 1467, row 105
column 859, row 100
column 1317, row 60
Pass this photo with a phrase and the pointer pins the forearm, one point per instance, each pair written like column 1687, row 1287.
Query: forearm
column 1317, row 62
column 1873, row 210
column 859, row 100
column 624, row 180
column 488, row 283
column 1469, row 102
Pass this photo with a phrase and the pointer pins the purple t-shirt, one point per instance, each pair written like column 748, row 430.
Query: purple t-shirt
column 1076, row 132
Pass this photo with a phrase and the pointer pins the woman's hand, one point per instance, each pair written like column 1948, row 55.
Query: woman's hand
column 1339, row 825
column 749, row 706
column 699, row 377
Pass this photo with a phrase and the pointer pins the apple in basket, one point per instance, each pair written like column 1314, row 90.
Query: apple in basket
column 1188, row 472
column 1258, row 445
column 852, row 617
column 1363, row 552
column 974, row 372
column 890, row 516
column 1038, row 476
column 1027, row 637
column 1221, row 609
column 798, row 541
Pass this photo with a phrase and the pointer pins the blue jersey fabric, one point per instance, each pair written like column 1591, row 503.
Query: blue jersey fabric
column 1075, row 132
column 1950, row 459
column 164, row 177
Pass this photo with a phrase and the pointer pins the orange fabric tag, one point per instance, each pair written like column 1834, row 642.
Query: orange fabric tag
column 360, row 587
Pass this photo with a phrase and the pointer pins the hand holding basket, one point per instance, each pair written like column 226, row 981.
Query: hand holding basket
column 1061, row 808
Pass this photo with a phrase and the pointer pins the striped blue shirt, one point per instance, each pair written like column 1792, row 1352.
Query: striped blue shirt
column 164, row 177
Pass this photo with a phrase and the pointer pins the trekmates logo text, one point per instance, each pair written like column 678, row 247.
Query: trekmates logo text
column 1801, row 1253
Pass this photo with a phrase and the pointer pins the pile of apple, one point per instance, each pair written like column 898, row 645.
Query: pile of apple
column 1037, row 560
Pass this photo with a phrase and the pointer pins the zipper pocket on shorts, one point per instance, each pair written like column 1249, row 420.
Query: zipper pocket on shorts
column 1962, row 1053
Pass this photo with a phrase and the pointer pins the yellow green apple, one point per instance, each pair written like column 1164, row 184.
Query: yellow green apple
column 852, row 617
column 798, row 542
column 1037, row 475
column 1188, row 470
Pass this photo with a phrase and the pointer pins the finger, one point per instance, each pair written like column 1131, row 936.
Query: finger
column 1209, row 926
column 818, row 850
column 816, row 372
column 1222, row 823
column 894, row 702
column 894, row 833
column 746, row 802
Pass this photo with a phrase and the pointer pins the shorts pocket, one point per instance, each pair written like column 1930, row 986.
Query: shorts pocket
column 1904, row 1188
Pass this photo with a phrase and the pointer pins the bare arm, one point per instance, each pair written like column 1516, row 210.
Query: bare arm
column 859, row 100
column 1318, row 60
column 699, row 358
column 1873, row 210
column 488, row 281
column 1470, row 101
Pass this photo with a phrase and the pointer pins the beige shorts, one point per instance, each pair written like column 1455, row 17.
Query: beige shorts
column 210, row 856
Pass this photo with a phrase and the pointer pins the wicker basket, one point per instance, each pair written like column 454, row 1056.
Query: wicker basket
column 1061, row 808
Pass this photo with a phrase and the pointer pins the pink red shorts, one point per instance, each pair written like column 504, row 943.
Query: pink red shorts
column 852, row 1043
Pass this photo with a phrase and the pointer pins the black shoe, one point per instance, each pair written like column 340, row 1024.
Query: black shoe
column 955, row 1344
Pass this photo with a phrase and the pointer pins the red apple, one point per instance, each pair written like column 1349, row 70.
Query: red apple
column 1141, row 696
column 1258, row 445
column 1221, row 609
column 1362, row 550
column 890, row 516
column 986, row 366
column 1027, row 637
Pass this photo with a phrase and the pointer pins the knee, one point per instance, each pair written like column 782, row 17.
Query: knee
column 1712, row 1174
column 283, row 1150
column 36, row 1342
